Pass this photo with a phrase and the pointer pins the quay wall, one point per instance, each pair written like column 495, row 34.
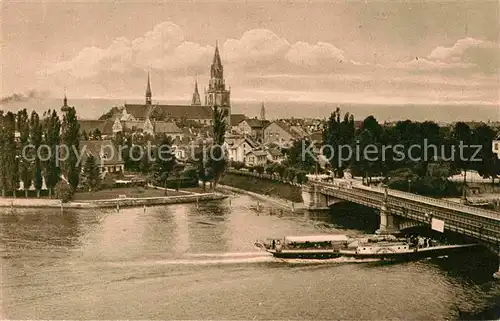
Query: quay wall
column 263, row 184
column 110, row 203
column 278, row 202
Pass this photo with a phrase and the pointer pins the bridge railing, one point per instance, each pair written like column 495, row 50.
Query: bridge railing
column 349, row 184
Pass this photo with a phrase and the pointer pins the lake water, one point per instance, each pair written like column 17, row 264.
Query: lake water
column 188, row 262
column 93, row 108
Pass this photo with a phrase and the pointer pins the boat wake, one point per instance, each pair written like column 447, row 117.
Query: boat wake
column 330, row 261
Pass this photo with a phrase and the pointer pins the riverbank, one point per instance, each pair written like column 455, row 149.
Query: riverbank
column 112, row 202
column 278, row 202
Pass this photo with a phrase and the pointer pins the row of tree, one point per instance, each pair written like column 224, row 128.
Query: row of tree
column 458, row 148
column 21, row 163
column 276, row 170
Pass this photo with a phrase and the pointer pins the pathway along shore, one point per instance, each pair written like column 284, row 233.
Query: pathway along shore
column 110, row 203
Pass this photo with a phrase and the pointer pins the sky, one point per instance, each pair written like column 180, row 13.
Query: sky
column 381, row 52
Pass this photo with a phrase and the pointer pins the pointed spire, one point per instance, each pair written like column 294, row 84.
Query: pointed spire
column 217, row 60
column 148, row 88
column 262, row 112
column 148, row 92
column 196, row 101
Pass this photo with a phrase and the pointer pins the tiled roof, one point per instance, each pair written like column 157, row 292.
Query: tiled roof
column 169, row 111
column 95, row 147
column 275, row 152
column 166, row 127
column 257, row 152
column 91, row 125
column 254, row 123
column 237, row 118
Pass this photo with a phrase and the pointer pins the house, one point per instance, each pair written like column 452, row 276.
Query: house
column 236, row 119
column 274, row 155
column 495, row 146
column 279, row 132
column 239, row 147
column 256, row 157
column 107, row 156
column 252, row 127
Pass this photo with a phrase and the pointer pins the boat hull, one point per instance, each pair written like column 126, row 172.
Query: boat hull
column 412, row 254
column 319, row 255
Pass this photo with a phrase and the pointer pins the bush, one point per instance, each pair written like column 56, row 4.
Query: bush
column 238, row 165
column 64, row 191
column 259, row 169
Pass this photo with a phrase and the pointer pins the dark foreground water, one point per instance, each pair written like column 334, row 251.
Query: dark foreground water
column 183, row 262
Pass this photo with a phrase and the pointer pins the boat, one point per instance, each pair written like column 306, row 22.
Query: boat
column 398, row 248
column 305, row 247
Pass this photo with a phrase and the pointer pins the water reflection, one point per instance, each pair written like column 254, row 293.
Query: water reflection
column 92, row 264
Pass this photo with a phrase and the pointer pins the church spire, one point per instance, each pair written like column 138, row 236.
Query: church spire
column 217, row 61
column 196, row 101
column 148, row 92
column 262, row 112
column 65, row 106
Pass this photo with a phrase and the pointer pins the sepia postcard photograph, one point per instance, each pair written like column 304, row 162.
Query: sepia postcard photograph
column 250, row 160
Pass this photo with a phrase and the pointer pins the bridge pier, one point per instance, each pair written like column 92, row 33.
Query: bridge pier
column 496, row 275
column 388, row 222
column 314, row 201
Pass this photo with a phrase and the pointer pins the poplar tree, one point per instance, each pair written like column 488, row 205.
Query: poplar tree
column 71, row 139
column 52, row 134
column 25, row 173
column 35, row 138
column 217, row 160
column 3, row 156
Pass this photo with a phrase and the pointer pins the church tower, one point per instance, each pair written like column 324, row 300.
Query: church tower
column 217, row 95
column 65, row 106
column 262, row 112
column 196, row 101
column 148, row 92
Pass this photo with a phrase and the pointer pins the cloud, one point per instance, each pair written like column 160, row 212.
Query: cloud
column 260, row 60
column 302, row 53
column 255, row 47
column 484, row 54
column 163, row 48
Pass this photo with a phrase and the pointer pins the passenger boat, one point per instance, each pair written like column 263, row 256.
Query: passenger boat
column 397, row 249
column 306, row 247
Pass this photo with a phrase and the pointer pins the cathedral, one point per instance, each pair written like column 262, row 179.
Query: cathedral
column 215, row 96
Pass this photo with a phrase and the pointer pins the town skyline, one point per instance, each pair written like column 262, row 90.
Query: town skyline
column 370, row 53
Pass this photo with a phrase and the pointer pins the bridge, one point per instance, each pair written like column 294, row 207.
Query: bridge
column 399, row 210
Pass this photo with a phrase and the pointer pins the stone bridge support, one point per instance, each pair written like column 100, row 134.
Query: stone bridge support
column 389, row 223
column 315, row 200
column 496, row 275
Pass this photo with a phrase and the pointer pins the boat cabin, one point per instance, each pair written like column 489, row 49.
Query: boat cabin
column 383, row 248
column 317, row 241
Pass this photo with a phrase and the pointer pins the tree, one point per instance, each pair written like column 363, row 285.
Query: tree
column 9, row 179
column 164, row 162
column 337, row 133
column 217, row 160
column 487, row 164
column 303, row 160
column 91, row 174
column 64, row 191
column 71, row 139
column 23, row 126
column 461, row 135
column 259, row 169
column 52, row 130
column 270, row 169
column 280, row 170
column 35, row 139
column 3, row 156
column 238, row 165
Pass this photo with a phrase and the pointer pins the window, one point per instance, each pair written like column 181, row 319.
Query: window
column 496, row 145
